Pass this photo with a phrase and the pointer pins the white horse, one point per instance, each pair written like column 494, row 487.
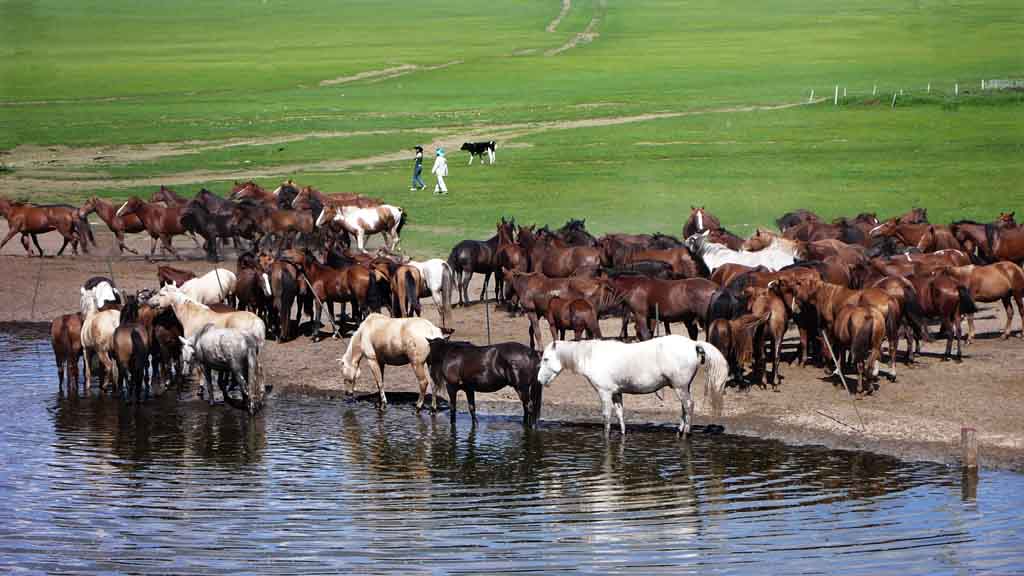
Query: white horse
column 231, row 351
column 615, row 368
column 773, row 257
column 215, row 286
column 99, row 294
column 194, row 315
column 360, row 222
column 437, row 276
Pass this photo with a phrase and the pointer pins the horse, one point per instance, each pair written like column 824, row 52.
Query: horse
column 97, row 336
column 796, row 218
column 406, row 286
column 535, row 291
column 349, row 283
column 360, row 222
column 926, row 237
column 101, row 290
column 1006, row 243
column 130, row 223
column 914, row 216
column 914, row 324
column 1001, row 281
column 249, row 288
column 679, row 260
column 944, row 297
column 699, row 221
column 769, row 303
column 437, row 283
column 859, row 330
column 471, row 369
column 232, row 351
column 252, row 191
column 714, row 255
column 615, row 368
column 194, row 315
column 168, row 197
column 32, row 220
column 576, row 314
column 651, row 300
column 255, row 221
column 313, row 200
column 391, row 341
column 574, row 233
column 66, row 339
column 217, row 285
column 470, row 257
column 171, row 275
column 735, row 340
column 163, row 222
column 197, row 218
column 131, row 348
column 552, row 256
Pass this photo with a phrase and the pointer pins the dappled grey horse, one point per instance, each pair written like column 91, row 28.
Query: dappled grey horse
column 232, row 352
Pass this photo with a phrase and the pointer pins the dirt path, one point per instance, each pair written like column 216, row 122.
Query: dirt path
column 553, row 25
column 50, row 169
column 918, row 417
column 588, row 35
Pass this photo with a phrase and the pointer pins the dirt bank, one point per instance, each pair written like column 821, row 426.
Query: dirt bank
column 918, row 417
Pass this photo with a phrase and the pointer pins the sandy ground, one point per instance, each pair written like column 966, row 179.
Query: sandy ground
column 918, row 417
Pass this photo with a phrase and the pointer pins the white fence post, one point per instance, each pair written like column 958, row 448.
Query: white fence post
column 811, row 99
column 956, row 89
column 835, row 101
column 929, row 87
column 893, row 100
column 874, row 90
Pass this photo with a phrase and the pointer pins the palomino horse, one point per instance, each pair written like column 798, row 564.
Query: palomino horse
column 699, row 221
column 464, row 366
column 194, row 315
column 163, row 222
column 66, row 338
column 1002, row 281
column 97, row 337
column 470, row 257
column 615, row 368
column 32, row 220
column 130, row 223
column 387, row 341
column 714, row 255
column 232, row 352
column 361, row 222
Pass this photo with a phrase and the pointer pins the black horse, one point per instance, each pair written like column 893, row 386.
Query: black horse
column 574, row 233
column 464, row 366
column 212, row 226
column 473, row 256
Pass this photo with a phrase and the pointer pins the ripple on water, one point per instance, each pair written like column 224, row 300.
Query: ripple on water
column 311, row 485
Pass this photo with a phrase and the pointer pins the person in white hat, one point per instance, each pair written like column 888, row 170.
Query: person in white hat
column 440, row 170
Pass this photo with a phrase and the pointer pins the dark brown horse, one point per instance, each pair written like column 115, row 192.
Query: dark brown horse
column 161, row 221
column 168, row 197
column 470, row 257
column 735, row 340
column 795, row 218
column 509, row 255
column 32, row 220
column 652, row 300
column 464, row 366
column 678, row 259
column 66, row 338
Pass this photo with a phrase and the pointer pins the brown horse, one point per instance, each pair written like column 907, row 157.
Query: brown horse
column 535, row 290
column 168, row 197
column 678, row 259
column 32, row 219
column 355, row 284
column 66, row 338
column 1002, row 281
column 944, row 297
column 130, row 224
column 699, row 221
column 169, row 275
column 252, row 191
column 509, row 255
column 1006, row 242
column 926, row 237
column 313, row 200
column 914, row 216
column 407, row 287
column 915, row 326
column 576, row 314
column 470, row 257
column 161, row 221
column 769, row 303
column 795, row 218
column 735, row 340
column 651, row 300
column 858, row 330
column 555, row 258
column 131, row 347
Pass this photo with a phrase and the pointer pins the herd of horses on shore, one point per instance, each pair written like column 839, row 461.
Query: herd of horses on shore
column 848, row 285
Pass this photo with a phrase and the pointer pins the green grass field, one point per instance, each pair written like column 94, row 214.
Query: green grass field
column 86, row 74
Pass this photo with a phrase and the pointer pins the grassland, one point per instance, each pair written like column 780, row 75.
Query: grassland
column 119, row 76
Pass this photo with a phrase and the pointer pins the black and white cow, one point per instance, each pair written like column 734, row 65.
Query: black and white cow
column 479, row 149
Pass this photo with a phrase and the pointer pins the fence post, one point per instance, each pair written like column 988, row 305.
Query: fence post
column 844, row 91
column 893, row 100
column 956, row 89
column 811, row 99
column 929, row 87
column 874, row 90
column 835, row 101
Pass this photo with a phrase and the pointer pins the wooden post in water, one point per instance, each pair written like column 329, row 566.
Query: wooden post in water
column 969, row 445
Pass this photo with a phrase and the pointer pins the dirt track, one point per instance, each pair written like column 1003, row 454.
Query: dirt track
column 918, row 417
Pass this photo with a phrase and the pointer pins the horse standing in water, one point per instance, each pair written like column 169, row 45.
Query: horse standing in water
column 66, row 338
column 464, row 366
column 230, row 351
column 391, row 341
column 615, row 368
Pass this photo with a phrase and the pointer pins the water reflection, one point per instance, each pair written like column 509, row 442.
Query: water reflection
column 309, row 485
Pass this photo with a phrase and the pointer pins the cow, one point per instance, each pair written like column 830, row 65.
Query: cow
column 479, row 149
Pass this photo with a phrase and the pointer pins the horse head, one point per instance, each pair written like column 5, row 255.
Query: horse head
column 550, row 364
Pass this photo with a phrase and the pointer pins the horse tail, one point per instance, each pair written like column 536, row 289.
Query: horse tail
column 412, row 297
column 860, row 347
column 536, row 388
column 88, row 235
column 716, row 372
column 916, row 317
column 402, row 219
column 138, row 358
column 967, row 305
column 373, row 300
column 254, row 373
column 446, row 293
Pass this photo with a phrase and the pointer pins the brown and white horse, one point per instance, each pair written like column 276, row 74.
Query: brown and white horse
column 360, row 222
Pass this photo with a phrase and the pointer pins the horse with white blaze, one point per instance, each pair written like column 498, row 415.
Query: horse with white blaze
column 615, row 368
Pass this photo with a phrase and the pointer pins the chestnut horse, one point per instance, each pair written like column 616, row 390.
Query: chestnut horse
column 552, row 256
column 859, row 330
column 576, row 314
column 1002, row 281
column 699, row 221
column 130, row 223
column 1006, row 243
column 66, row 338
column 163, row 222
column 651, row 300
column 252, row 191
column 32, row 219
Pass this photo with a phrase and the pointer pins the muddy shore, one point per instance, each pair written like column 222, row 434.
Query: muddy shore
column 919, row 417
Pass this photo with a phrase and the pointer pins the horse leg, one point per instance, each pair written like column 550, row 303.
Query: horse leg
column 166, row 239
column 121, row 246
column 948, row 329
column 776, row 353
column 606, row 410
column 63, row 246
column 10, row 234
column 377, row 368
column 959, row 333
column 535, row 330
column 1008, row 307
column 483, row 292
column 617, row 402
column 420, row 370
column 206, row 383
column 465, row 279
column 35, row 240
column 1020, row 313
column 471, row 399
column 453, row 400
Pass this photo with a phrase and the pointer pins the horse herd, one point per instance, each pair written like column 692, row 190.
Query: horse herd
column 849, row 286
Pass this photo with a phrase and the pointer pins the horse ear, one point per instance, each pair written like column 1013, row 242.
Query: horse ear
column 184, row 341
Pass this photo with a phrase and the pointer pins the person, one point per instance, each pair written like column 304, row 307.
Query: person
column 440, row 170
column 417, row 180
